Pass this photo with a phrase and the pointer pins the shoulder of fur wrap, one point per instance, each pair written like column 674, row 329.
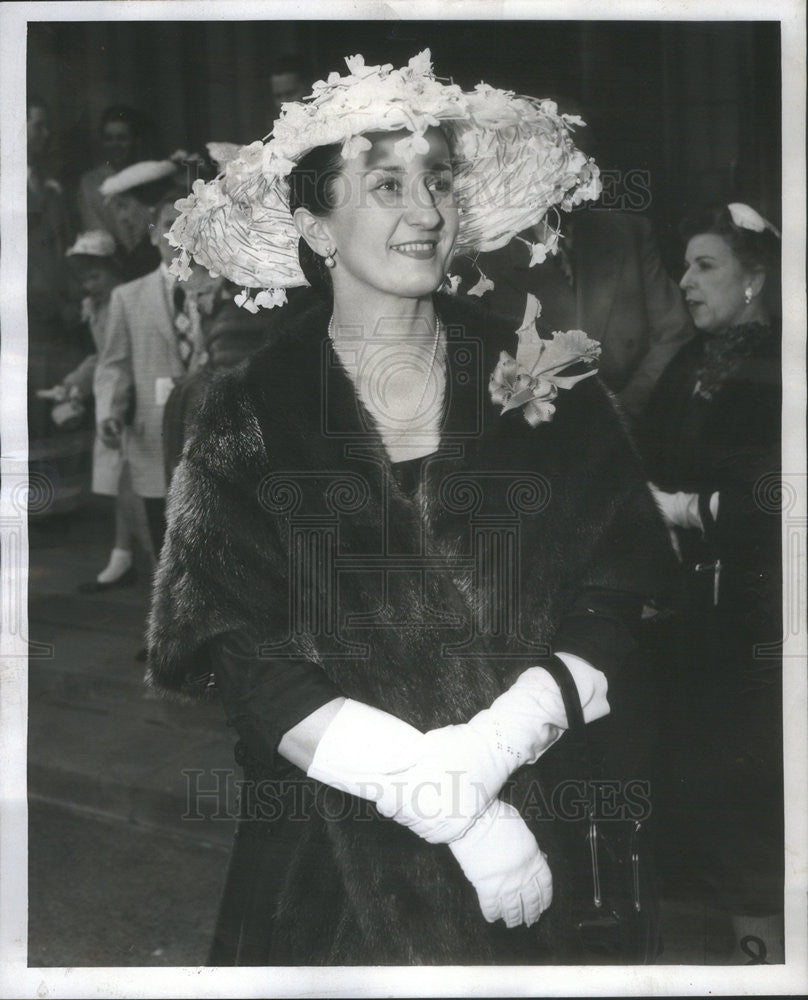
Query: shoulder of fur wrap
column 221, row 545
column 211, row 501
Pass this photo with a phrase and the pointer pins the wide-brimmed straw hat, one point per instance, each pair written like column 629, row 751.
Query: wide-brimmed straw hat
column 514, row 160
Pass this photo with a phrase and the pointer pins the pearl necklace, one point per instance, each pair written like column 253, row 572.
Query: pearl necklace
column 431, row 368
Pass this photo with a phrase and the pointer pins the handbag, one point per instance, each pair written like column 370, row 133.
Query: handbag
column 615, row 906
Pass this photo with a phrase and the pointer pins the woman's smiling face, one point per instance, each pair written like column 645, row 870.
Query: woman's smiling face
column 395, row 221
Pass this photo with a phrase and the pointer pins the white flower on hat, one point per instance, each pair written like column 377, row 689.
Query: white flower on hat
column 356, row 67
column 352, row 147
column 244, row 301
column 410, row 147
column 181, row 266
column 222, row 152
column 483, row 285
column 270, row 298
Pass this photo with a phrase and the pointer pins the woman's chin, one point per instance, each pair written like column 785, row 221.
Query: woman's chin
column 416, row 289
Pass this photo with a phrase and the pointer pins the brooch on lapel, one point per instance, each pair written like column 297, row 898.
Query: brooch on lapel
column 532, row 379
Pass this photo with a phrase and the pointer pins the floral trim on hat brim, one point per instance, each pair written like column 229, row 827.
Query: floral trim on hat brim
column 515, row 159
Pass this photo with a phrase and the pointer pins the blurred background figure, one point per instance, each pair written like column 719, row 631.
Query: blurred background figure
column 56, row 340
column 288, row 81
column 607, row 279
column 230, row 334
column 135, row 191
column 711, row 439
column 120, row 139
column 153, row 339
column 94, row 262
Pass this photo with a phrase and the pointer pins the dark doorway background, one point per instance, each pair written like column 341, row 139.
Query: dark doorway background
column 682, row 112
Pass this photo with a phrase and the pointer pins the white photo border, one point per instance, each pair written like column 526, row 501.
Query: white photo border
column 16, row 979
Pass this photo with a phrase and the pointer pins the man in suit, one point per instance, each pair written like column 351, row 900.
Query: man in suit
column 608, row 280
column 153, row 339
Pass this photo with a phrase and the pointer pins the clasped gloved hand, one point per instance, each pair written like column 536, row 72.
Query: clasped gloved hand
column 458, row 770
column 361, row 752
column 500, row 857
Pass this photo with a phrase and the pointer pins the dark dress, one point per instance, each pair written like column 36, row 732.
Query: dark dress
column 300, row 563
column 721, row 724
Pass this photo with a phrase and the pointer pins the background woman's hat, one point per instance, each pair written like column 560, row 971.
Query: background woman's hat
column 150, row 181
column 746, row 217
column 93, row 243
column 137, row 175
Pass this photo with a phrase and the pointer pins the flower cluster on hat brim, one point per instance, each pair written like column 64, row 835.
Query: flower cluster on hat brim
column 514, row 159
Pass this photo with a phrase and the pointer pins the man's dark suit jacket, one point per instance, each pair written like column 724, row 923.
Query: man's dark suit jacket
column 622, row 297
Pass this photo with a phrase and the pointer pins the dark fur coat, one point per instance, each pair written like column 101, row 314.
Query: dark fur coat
column 284, row 521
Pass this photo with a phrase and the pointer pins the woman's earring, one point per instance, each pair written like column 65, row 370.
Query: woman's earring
column 747, row 294
column 328, row 260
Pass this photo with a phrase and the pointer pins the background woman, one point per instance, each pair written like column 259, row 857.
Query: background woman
column 712, row 442
column 335, row 518
column 120, row 133
column 96, row 268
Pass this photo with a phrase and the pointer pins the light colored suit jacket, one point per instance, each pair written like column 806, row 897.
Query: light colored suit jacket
column 623, row 298
column 140, row 349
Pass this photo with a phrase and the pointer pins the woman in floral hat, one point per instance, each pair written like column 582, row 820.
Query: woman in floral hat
column 381, row 557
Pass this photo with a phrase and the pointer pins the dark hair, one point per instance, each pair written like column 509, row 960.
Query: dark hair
column 755, row 251
column 122, row 113
column 311, row 186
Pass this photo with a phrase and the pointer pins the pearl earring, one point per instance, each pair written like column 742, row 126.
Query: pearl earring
column 328, row 260
column 748, row 294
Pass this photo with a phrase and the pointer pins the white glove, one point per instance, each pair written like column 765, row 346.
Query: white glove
column 58, row 393
column 681, row 510
column 500, row 857
column 360, row 748
column 458, row 770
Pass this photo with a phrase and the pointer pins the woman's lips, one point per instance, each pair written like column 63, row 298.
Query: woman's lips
column 422, row 250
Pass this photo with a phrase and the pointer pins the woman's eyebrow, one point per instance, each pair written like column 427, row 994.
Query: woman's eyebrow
column 392, row 168
column 395, row 168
